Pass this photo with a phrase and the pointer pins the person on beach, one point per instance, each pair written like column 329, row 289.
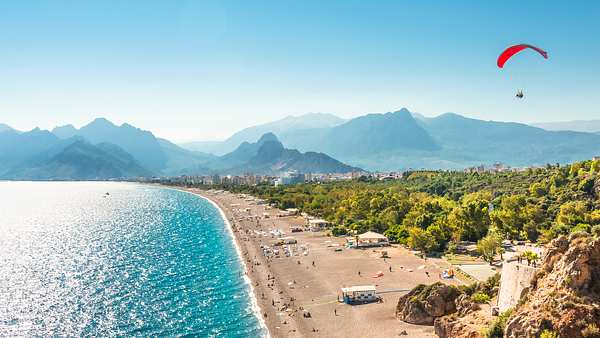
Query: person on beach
column 359, row 273
column 335, row 312
column 390, row 268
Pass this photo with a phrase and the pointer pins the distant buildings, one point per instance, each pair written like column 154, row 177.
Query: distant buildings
column 495, row 168
column 291, row 177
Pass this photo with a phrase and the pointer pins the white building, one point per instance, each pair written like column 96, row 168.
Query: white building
column 317, row 224
column 359, row 294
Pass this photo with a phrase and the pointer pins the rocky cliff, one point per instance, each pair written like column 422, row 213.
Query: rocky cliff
column 424, row 303
column 565, row 295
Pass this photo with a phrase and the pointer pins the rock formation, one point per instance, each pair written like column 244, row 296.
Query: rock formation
column 565, row 295
column 424, row 303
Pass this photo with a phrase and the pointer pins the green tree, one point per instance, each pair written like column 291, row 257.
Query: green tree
column 421, row 240
column 530, row 256
column 397, row 233
column 572, row 213
column 489, row 246
column 470, row 221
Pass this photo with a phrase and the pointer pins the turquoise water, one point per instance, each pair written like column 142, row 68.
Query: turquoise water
column 142, row 261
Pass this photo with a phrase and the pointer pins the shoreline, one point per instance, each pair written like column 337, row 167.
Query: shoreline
column 253, row 295
column 285, row 288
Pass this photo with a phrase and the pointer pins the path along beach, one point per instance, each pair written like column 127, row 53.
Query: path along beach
column 310, row 278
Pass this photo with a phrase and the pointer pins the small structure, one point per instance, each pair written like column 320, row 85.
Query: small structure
column 288, row 212
column 370, row 239
column 359, row 294
column 292, row 211
column 317, row 224
column 286, row 240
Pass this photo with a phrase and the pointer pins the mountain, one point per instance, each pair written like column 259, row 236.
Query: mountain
column 243, row 153
column 589, row 126
column 375, row 133
column 65, row 131
column 16, row 147
column 5, row 127
column 404, row 139
column 268, row 156
column 157, row 155
column 80, row 160
column 141, row 144
column 182, row 161
column 279, row 127
column 466, row 140
column 373, row 141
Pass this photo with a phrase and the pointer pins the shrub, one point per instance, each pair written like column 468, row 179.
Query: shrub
column 496, row 329
column 339, row 231
column 480, row 297
column 596, row 230
column 548, row 334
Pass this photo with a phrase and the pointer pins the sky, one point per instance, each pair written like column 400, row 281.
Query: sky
column 201, row 70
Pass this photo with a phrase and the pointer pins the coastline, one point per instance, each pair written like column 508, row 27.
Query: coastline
column 253, row 295
column 286, row 288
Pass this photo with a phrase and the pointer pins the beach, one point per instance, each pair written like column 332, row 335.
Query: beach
column 308, row 281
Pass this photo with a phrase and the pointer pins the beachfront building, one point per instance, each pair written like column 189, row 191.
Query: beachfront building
column 370, row 239
column 359, row 294
column 317, row 224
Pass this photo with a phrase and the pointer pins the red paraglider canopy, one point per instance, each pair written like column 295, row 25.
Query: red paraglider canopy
column 512, row 50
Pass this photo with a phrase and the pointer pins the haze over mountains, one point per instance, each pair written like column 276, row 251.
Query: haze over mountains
column 279, row 127
column 309, row 143
column 588, row 126
column 102, row 150
column 401, row 140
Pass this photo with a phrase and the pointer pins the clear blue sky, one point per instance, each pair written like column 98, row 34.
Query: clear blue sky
column 202, row 70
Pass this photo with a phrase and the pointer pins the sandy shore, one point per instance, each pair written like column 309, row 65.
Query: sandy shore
column 287, row 287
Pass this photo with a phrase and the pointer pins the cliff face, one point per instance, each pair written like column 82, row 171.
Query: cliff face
column 565, row 295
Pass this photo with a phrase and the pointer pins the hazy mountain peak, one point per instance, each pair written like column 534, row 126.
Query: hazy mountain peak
column 5, row 127
column 65, row 131
column 279, row 127
column 403, row 110
column 100, row 122
column 268, row 137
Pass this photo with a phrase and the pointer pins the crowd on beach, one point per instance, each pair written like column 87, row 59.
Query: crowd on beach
column 293, row 299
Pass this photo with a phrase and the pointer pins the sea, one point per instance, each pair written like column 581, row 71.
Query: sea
column 83, row 259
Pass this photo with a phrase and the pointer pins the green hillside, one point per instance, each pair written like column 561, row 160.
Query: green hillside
column 431, row 209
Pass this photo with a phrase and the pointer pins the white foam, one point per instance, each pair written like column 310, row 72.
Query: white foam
column 253, row 299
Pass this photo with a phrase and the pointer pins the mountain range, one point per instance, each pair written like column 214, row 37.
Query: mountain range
column 308, row 143
column 402, row 139
column 279, row 127
column 588, row 126
column 103, row 150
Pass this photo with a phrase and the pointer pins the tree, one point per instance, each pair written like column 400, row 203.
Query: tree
column 530, row 256
column 470, row 221
column 572, row 213
column 489, row 246
column 538, row 189
column 420, row 239
column 397, row 233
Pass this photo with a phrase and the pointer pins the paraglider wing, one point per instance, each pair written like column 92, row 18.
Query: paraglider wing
column 512, row 50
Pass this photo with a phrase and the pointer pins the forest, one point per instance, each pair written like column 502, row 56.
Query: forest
column 433, row 211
